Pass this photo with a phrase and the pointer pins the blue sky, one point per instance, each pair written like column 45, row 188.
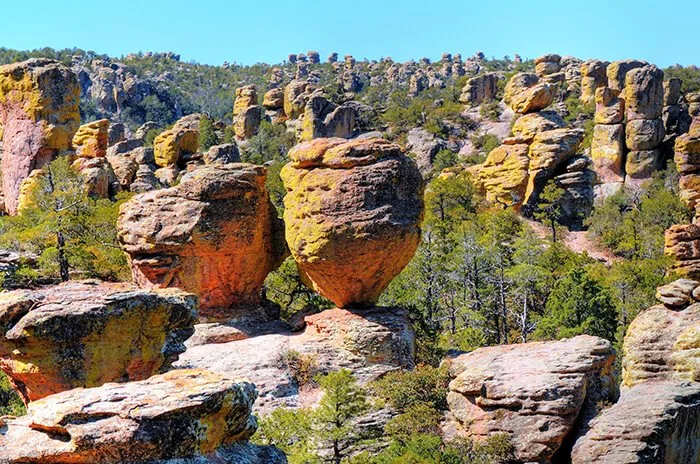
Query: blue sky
column 214, row 31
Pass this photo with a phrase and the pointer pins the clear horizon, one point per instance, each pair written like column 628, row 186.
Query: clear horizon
column 214, row 31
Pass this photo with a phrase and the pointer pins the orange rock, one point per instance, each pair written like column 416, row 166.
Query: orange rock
column 215, row 234
column 92, row 139
column 353, row 214
column 246, row 112
column 84, row 334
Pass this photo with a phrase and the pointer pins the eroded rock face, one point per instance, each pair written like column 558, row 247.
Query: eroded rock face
column 215, row 234
column 92, row 139
column 529, row 125
column 323, row 118
column 652, row 423
column 687, row 159
column 538, row 393
column 682, row 242
column 480, row 89
column 246, row 112
column 84, row 334
column 593, row 76
column 608, row 152
column 171, row 145
column 617, row 70
column 39, row 114
column 526, row 94
column 179, row 414
column 353, row 211
column 504, row 174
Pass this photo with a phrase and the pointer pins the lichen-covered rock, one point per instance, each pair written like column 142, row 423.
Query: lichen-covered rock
column 540, row 393
column 682, row 243
column 547, row 64
column 38, row 115
column 517, row 84
column 323, row 118
column 593, row 76
column 617, row 70
column 179, row 414
column 215, row 234
column 246, row 112
column 371, row 342
column 677, row 294
column 644, row 134
column 504, row 174
column 353, row 211
column 528, row 126
column 641, row 164
column 609, row 109
column 663, row 344
column 273, row 102
column 687, row 159
column 526, row 94
column 124, row 167
column 480, row 89
column 295, row 96
column 92, row 139
column 644, row 93
column 100, row 180
column 222, row 154
column 145, row 180
column 170, row 145
column 672, row 91
column 84, row 334
column 608, row 152
column 652, row 423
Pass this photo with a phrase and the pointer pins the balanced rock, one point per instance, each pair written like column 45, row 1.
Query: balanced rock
column 92, row 139
column 652, row 423
column 609, row 108
column 215, row 234
column 547, row 64
column 504, row 174
column 353, row 211
column 480, row 89
column 84, row 334
column 662, row 344
column 644, row 93
column 593, row 76
column 171, row 145
column 246, row 112
column 538, row 393
column 617, row 71
column 38, row 115
column 177, row 415
column 526, row 94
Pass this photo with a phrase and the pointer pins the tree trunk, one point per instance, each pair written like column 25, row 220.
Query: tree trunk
column 62, row 261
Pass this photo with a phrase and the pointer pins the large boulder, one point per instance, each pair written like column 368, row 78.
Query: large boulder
column 644, row 93
column 246, row 112
column 215, row 234
column 687, row 159
column 171, row 145
column 609, row 109
column 682, row 243
column 617, row 71
column 593, row 76
column 652, row 423
column 84, row 334
column 644, row 134
column 179, row 415
column 528, row 126
column 323, row 118
column 92, row 139
column 541, row 394
column 39, row 115
column 353, row 212
column 526, row 94
column 504, row 174
column 480, row 89
column 295, row 96
column 608, row 152
column 546, row 65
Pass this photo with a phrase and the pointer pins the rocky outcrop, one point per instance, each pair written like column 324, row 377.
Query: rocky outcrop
column 323, row 118
column 504, row 174
column 177, row 415
column 687, row 159
column 546, row 65
column 98, row 176
column 524, row 93
column 425, row 146
column 527, row 126
column 541, row 394
column 273, row 102
column 246, row 112
column 295, row 96
column 652, row 423
column 480, row 89
column 353, row 211
column 222, row 154
column 370, row 342
column 617, row 72
column 593, row 76
column 84, row 334
column 662, row 342
column 92, row 139
column 682, row 243
column 215, row 234
column 171, row 145
column 39, row 116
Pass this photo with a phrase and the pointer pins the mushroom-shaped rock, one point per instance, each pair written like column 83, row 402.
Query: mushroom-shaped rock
column 353, row 211
column 92, row 139
column 177, row 415
column 215, row 234
column 84, row 334
column 39, row 116
column 535, row 392
column 652, row 423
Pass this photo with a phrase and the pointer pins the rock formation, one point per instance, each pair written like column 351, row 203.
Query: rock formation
column 39, row 116
column 480, row 89
column 171, row 145
column 353, row 211
column 593, row 76
column 216, row 234
column 652, row 423
column 92, row 139
column 547, row 65
column 526, row 94
column 323, row 118
column 84, row 334
column 273, row 102
column 246, row 112
column 541, row 394
column 295, row 96
column 687, row 159
column 179, row 414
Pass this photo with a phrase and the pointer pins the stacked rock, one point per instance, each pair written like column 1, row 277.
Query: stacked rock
column 314, row 57
column 273, row 102
column 593, row 76
column 549, row 67
column 672, row 110
column 608, row 143
column 246, row 112
column 91, row 143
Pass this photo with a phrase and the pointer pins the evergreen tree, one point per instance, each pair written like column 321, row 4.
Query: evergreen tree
column 207, row 135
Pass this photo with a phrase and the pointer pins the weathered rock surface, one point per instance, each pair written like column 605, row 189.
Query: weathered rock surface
column 608, row 152
column 539, row 393
column 38, row 115
column 652, row 423
column 617, row 71
column 222, row 154
column 246, row 112
column 353, row 211
column 480, row 89
column 295, row 96
column 169, row 146
column 593, row 76
column 663, row 344
column 370, row 342
column 644, row 93
column 179, row 414
column 682, row 242
column 687, row 159
column 528, row 126
column 84, row 334
column 98, row 176
column 610, row 109
column 526, row 94
column 504, row 174
column 216, row 234
column 92, row 139
column 323, row 118
column 425, row 146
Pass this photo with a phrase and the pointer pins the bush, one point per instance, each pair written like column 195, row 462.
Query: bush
column 302, row 367
column 10, row 402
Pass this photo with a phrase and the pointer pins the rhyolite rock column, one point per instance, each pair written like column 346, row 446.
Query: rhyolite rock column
column 246, row 112
column 353, row 212
column 216, row 234
column 39, row 114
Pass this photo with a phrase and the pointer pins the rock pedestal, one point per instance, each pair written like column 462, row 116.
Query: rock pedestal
column 246, row 112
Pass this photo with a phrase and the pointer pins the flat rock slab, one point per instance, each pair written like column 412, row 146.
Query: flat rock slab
column 538, row 393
